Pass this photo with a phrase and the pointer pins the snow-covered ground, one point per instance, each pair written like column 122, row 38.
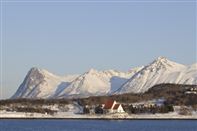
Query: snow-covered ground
column 69, row 115
column 74, row 112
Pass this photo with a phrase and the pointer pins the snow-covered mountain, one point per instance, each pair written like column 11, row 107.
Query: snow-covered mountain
column 160, row 71
column 42, row 84
column 93, row 83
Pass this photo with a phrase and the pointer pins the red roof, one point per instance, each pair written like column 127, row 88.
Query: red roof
column 116, row 106
column 108, row 104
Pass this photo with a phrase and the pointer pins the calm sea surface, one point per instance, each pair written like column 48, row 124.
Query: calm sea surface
column 97, row 125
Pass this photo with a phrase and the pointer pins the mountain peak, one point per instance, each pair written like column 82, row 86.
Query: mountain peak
column 39, row 70
column 43, row 72
column 35, row 73
column 92, row 71
column 161, row 59
column 34, row 69
column 163, row 63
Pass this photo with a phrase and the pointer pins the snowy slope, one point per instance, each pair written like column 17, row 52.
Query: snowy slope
column 42, row 84
column 96, row 83
column 159, row 71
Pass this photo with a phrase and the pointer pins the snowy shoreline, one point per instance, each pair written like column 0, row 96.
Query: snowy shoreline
column 168, row 116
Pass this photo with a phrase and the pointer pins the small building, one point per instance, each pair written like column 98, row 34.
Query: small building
column 191, row 90
column 118, row 108
column 112, row 106
column 149, row 103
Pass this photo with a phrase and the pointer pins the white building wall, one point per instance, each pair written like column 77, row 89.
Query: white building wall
column 120, row 109
column 113, row 105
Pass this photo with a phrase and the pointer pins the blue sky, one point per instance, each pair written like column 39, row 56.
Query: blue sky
column 69, row 38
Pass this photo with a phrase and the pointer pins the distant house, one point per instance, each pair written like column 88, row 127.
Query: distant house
column 118, row 108
column 150, row 103
column 112, row 106
column 191, row 91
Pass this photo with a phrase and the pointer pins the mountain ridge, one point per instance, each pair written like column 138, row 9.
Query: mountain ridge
column 157, row 72
column 40, row 83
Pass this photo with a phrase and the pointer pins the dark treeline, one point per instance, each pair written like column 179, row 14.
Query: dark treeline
column 35, row 101
column 152, row 109
column 174, row 94
column 34, row 110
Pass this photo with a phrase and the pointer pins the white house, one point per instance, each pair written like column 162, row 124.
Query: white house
column 112, row 106
column 118, row 108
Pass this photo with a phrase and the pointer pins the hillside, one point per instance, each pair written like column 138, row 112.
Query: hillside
column 175, row 94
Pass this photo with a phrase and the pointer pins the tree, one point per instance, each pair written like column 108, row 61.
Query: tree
column 86, row 110
column 99, row 110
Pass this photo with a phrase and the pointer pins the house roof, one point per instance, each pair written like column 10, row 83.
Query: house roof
column 108, row 104
column 116, row 106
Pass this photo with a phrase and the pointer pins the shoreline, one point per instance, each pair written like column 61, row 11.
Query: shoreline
column 55, row 118
column 112, row 116
column 85, row 117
